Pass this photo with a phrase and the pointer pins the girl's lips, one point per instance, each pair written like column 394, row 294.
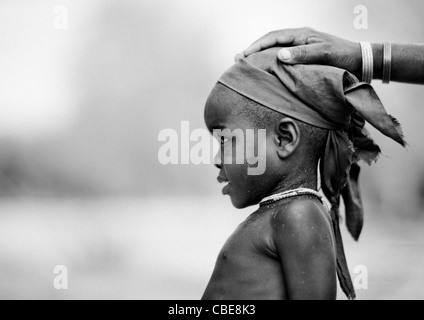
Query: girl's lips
column 226, row 189
column 222, row 178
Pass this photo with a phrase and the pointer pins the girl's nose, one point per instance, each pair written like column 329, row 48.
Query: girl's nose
column 218, row 160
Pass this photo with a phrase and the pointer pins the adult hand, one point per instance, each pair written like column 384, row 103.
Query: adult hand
column 308, row 46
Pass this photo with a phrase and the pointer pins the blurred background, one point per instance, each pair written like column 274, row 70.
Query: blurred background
column 85, row 89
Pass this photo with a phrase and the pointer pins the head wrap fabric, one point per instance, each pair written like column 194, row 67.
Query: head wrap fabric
column 329, row 98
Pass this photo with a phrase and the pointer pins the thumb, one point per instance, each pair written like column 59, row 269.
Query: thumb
column 306, row 54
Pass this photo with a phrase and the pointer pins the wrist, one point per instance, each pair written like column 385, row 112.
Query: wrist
column 377, row 50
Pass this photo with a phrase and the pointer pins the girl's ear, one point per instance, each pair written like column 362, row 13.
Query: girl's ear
column 287, row 137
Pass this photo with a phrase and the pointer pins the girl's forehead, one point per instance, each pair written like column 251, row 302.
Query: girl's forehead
column 218, row 108
column 223, row 108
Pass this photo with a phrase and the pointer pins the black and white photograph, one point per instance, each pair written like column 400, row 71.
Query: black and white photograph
column 199, row 151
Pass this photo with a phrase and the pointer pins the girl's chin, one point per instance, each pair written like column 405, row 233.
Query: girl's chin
column 240, row 203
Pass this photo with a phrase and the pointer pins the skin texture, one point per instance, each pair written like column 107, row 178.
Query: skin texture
column 284, row 250
column 308, row 46
column 281, row 252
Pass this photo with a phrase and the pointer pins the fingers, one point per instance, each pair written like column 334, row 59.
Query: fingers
column 272, row 39
column 306, row 54
column 285, row 37
column 268, row 41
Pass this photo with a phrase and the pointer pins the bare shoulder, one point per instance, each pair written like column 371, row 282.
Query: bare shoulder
column 303, row 237
column 303, row 217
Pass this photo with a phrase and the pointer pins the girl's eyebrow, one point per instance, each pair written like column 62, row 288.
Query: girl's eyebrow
column 217, row 127
column 220, row 127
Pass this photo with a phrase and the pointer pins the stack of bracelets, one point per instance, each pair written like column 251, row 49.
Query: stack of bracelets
column 368, row 62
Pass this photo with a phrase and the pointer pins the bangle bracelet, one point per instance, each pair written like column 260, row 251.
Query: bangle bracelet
column 367, row 62
column 387, row 62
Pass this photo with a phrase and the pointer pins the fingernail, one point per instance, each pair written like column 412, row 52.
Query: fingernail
column 285, row 54
column 238, row 57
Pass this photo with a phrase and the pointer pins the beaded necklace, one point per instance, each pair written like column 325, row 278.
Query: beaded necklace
column 290, row 194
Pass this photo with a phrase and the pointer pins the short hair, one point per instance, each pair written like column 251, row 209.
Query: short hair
column 262, row 117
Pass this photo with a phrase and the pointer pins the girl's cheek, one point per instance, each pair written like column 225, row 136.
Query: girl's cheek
column 234, row 151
